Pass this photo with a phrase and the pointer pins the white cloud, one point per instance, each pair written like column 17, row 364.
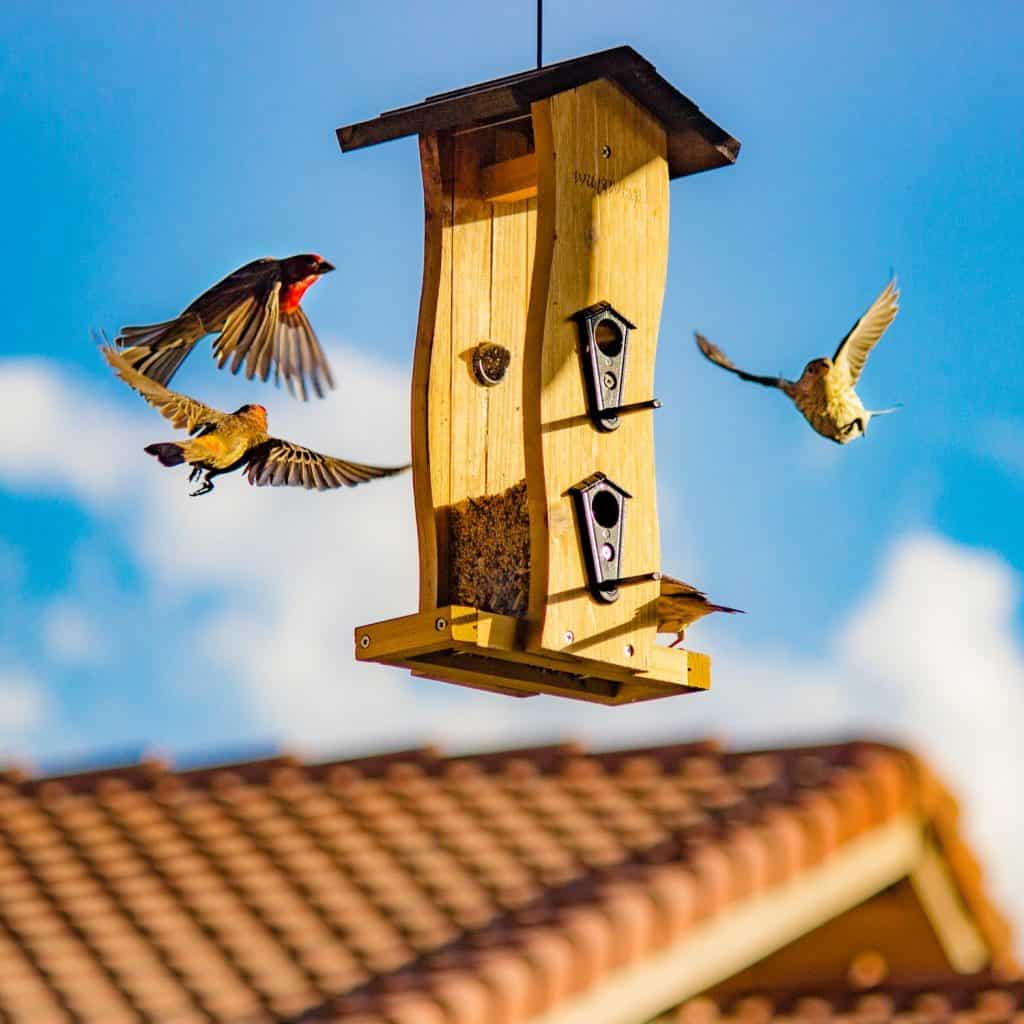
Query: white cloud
column 22, row 704
column 59, row 438
column 299, row 571
column 70, row 634
column 938, row 633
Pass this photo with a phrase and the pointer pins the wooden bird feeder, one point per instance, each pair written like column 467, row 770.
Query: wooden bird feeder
column 546, row 199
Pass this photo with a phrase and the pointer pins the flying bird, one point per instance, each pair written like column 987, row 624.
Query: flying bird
column 680, row 604
column 223, row 442
column 825, row 392
column 259, row 322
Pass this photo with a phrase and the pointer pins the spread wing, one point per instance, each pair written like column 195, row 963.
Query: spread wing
column 855, row 348
column 260, row 337
column 183, row 412
column 719, row 358
column 217, row 303
column 298, row 355
column 159, row 349
column 248, row 333
column 277, row 463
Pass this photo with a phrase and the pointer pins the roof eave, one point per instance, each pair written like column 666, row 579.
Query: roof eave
column 695, row 142
column 750, row 931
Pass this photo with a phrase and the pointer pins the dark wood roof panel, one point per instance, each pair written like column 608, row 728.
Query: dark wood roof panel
column 695, row 142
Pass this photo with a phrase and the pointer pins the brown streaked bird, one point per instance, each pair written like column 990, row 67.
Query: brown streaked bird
column 223, row 442
column 825, row 392
column 260, row 324
column 680, row 605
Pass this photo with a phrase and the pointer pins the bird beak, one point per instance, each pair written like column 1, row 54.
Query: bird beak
column 324, row 267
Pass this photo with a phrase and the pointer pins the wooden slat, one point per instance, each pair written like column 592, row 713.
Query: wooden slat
column 476, row 284
column 528, row 678
column 602, row 235
column 404, row 637
column 431, row 403
column 430, row 644
column 470, row 681
column 510, row 180
column 471, row 322
column 510, row 294
column 690, row 667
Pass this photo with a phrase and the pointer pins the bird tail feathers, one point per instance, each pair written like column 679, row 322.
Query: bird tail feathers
column 169, row 453
column 157, row 350
column 726, row 608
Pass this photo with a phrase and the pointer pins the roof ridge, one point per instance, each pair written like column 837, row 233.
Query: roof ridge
column 142, row 773
column 546, row 758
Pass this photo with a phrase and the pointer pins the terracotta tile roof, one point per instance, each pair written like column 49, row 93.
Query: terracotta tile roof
column 978, row 999
column 411, row 887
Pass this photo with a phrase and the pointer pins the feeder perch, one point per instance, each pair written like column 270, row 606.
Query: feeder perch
column 546, row 246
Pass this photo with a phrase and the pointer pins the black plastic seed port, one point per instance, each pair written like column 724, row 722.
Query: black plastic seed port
column 600, row 518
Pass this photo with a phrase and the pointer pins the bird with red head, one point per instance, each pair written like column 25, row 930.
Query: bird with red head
column 257, row 315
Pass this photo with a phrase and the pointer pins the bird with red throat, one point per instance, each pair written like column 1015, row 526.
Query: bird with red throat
column 259, row 321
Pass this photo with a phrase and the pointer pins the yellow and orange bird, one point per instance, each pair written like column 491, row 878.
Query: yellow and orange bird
column 224, row 442
column 680, row 605
column 825, row 392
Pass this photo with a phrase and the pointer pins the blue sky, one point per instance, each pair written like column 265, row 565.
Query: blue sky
column 146, row 154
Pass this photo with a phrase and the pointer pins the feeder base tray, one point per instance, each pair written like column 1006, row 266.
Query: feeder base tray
column 486, row 651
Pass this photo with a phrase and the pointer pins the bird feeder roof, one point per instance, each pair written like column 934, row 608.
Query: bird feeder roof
column 695, row 142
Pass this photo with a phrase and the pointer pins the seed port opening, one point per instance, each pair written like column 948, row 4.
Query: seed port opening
column 608, row 337
column 606, row 509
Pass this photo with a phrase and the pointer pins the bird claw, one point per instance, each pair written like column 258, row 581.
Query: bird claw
column 205, row 489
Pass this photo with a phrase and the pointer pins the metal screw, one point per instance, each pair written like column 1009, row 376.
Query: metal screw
column 609, row 380
column 628, row 650
column 364, row 641
column 569, row 636
column 440, row 625
column 606, row 151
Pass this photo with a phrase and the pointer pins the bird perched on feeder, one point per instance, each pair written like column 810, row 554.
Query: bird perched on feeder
column 223, row 442
column 680, row 605
column 825, row 392
column 260, row 323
